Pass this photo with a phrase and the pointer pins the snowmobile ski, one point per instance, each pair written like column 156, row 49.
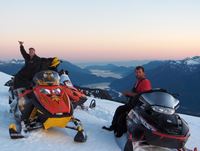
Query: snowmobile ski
column 80, row 137
column 14, row 134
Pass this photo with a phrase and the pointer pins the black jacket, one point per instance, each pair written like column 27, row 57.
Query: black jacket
column 32, row 65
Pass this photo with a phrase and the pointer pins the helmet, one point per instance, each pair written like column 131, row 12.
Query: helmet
column 55, row 62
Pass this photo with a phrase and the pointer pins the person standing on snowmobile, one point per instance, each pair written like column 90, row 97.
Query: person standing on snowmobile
column 33, row 64
column 119, row 119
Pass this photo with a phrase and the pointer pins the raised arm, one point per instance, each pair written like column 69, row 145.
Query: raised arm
column 23, row 51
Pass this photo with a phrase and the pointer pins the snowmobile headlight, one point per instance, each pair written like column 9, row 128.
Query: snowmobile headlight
column 45, row 91
column 163, row 110
column 57, row 91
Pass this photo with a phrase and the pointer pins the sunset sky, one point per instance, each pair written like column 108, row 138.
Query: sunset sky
column 103, row 30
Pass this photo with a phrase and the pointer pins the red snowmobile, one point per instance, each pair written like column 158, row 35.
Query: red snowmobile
column 46, row 105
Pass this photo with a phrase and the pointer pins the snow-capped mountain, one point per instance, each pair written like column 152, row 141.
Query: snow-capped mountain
column 187, row 61
column 188, row 64
column 62, row 139
column 192, row 61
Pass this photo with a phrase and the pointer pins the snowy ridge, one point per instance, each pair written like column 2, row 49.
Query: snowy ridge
column 187, row 65
column 13, row 61
column 190, row 61
column 62, row 139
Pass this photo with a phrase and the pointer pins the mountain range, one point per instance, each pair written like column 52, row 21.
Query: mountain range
column 177, row 76
column 78, row 75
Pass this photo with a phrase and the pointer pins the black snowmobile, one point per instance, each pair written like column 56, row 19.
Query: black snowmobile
column 154, row 121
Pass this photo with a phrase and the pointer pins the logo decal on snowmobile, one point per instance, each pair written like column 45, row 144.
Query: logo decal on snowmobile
column 55, row 98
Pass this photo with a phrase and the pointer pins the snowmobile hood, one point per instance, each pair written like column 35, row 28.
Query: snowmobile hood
column 53, row 98
column 160, row 99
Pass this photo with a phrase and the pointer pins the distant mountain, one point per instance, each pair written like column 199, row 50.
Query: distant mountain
column 153, row 64
column 78, row 75
column 121, row 70
column 117, row 63
column 180, row 76
column 81, row 76
column 11, row 67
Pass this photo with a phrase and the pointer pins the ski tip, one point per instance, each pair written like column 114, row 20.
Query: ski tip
column 13, row 127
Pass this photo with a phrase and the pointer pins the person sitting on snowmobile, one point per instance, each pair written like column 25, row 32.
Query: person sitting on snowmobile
column 119, row 119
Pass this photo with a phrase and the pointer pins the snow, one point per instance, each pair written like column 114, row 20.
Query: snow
column 192, row 61
column 187, row 61
column 194, row 124
column 13, row 61
column 62, row 139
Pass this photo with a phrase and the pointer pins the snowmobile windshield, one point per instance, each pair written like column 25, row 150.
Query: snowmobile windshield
column 162, row 99
column 47, row 78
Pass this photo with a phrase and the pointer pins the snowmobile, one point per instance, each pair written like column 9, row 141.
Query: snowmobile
column 77, row 97
column 46, row 105
column 154, row 122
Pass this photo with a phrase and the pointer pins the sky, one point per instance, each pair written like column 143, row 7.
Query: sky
column 103, row 30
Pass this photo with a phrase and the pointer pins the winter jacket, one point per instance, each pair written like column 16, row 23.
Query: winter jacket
column 142, row 85
column 32, row 65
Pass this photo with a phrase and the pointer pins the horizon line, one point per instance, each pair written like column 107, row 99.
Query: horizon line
column 111, row 61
